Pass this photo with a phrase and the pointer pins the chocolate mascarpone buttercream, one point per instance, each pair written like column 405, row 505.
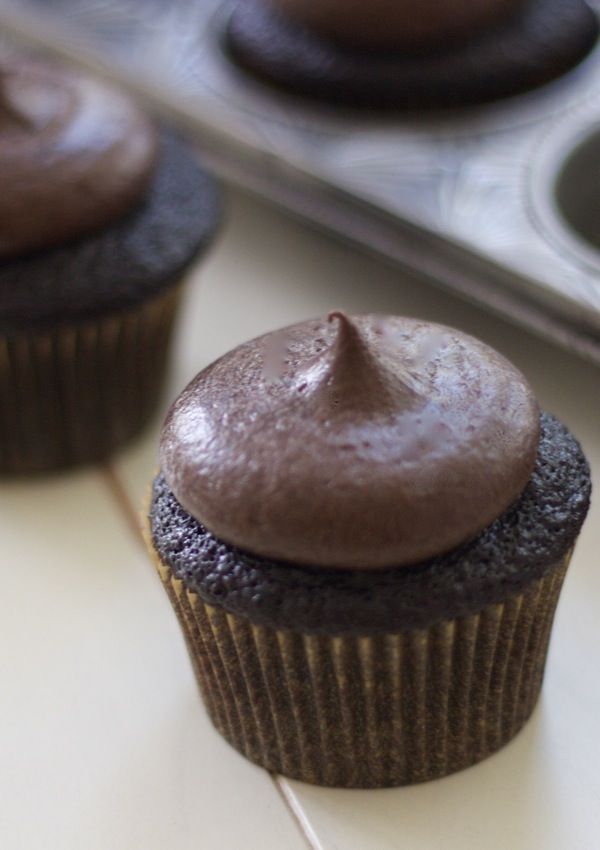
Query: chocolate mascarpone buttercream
column 362, row 443
column 520, row 547
column 74, row 156
column 395, row 23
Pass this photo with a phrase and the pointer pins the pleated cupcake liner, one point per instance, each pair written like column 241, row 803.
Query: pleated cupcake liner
column 371, row 711
column 75, row 393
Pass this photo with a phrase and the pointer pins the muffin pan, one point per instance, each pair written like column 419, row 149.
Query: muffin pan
column 494, row 202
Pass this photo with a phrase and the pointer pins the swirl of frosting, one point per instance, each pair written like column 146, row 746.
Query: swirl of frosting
column 358, row 443
column 395, row 23
column 74, row 156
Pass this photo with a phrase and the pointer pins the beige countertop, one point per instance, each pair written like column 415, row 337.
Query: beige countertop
column 104, row 744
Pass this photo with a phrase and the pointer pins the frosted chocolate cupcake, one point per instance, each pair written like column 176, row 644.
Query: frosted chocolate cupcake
column 363, row 526
column 100, row 216
column 399, row 54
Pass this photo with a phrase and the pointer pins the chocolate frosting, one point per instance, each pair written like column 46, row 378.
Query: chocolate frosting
column 362, row 443
column 74, row 156
column 395, row 23
column 132, row 261
column 523, row 545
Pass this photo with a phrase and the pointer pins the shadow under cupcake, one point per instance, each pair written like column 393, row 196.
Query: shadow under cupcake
column 363, row 526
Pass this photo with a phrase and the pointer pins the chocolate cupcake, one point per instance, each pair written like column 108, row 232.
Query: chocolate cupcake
column 363, row 526
column 396, row 54
column 101, row 213
column 397, row 25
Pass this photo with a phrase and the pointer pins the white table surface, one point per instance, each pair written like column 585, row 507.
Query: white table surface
column 104, row 743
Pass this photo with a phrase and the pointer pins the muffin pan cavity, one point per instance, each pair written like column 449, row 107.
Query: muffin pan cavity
column 566, row 191
column 577, row 191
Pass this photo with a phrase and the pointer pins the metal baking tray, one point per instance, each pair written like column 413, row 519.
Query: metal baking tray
column 476, row 201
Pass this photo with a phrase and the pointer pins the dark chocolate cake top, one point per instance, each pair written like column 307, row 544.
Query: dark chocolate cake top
column 75, row 155
column 522, row 545
column 366, row 443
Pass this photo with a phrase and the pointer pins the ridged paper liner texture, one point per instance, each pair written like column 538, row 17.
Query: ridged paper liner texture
column 371, row 711
column 75, row 393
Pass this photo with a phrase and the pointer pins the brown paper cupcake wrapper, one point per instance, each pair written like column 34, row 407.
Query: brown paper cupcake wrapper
column 75, row 393
column 369, row 712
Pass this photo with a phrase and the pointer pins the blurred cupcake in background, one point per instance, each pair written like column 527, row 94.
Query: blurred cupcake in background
column 101, row 215
column 401, row 54
column 397, row 24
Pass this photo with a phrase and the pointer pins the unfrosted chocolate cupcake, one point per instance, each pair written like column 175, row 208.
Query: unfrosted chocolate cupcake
column 398, row 54
column 101, row 213
column 363, row 526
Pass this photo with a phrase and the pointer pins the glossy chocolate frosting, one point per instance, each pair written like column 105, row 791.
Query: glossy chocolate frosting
column 74, row 156
column 395, row 23
column 525, row 544
column 362, row 443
